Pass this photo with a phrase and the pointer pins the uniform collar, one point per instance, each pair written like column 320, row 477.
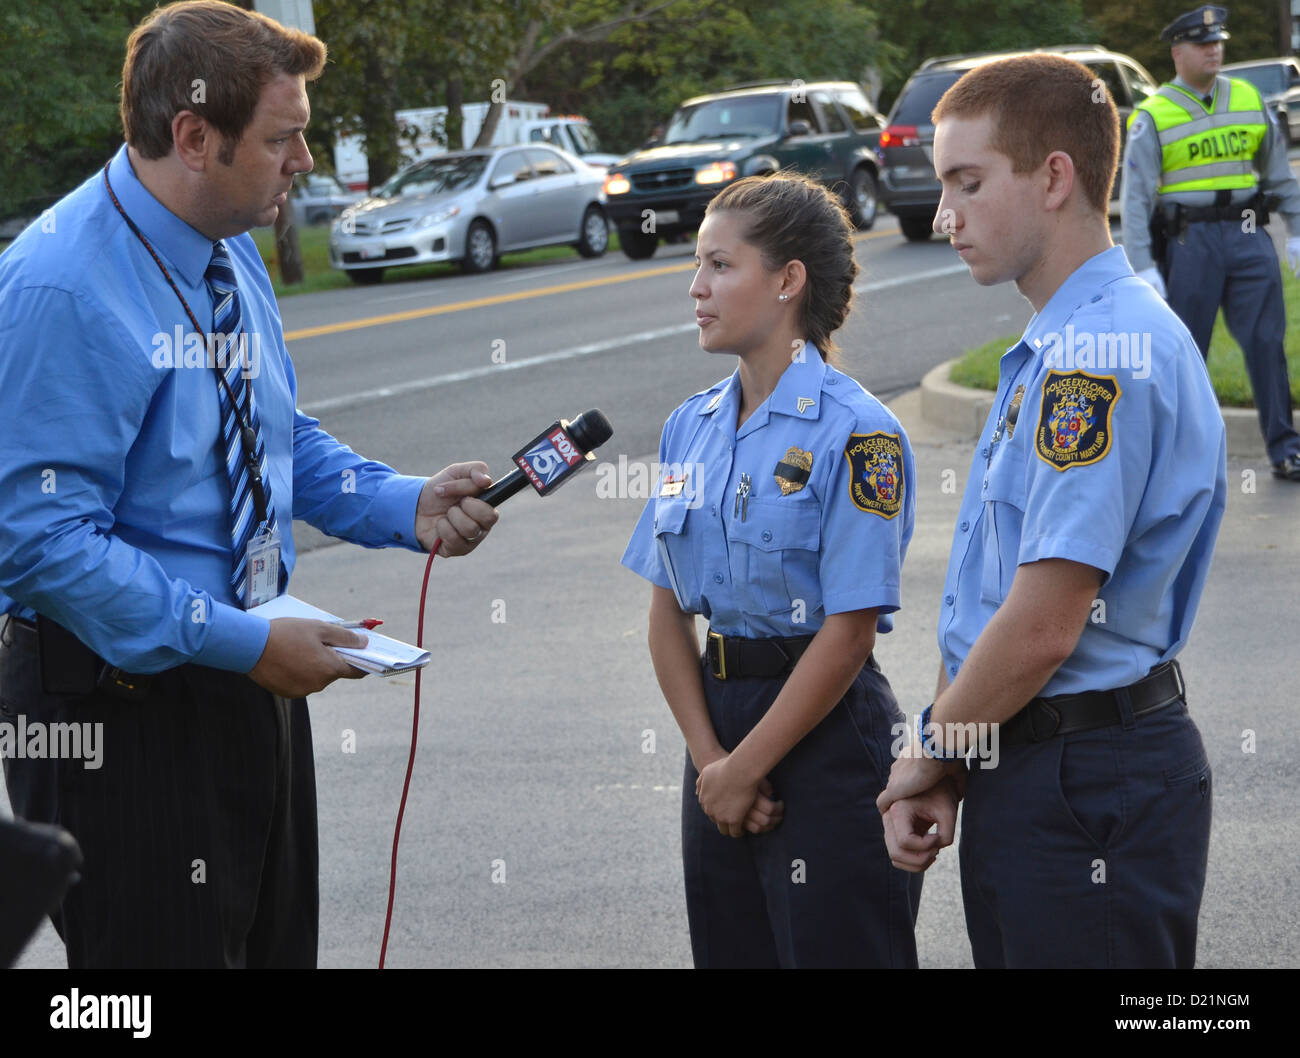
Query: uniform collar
column 798, row 394
column 1084, row 284
column 185, row 250
column 1220, row 85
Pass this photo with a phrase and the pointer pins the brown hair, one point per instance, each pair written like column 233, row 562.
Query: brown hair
column 788, row 218
column 1041, row 104
column 210, row 58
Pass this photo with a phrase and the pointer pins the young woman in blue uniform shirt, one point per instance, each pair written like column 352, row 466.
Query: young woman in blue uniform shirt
column 782, row 514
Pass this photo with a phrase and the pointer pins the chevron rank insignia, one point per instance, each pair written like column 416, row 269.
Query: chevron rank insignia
column 804, row 403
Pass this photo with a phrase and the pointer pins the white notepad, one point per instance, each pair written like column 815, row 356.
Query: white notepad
column 381, row 655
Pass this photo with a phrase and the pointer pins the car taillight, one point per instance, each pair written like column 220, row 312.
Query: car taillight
column 617, row 184
column 900, row 136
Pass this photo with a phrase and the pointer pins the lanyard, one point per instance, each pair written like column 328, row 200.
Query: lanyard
column 247, row 437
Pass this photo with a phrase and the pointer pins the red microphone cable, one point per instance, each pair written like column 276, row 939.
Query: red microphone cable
column 410, row 764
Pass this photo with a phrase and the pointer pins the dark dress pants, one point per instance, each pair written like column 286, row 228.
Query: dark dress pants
column 1089, row 850
column 819, row 890
column 198, row 826
column 1215, row 263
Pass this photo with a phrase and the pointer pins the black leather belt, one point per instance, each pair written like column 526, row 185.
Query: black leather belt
column 1066, row 714
column 70, row 667
column 733, row 658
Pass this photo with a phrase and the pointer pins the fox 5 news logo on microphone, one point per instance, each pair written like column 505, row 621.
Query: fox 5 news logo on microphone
column 549, row 459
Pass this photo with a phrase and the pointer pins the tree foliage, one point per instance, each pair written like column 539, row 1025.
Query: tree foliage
column 60, row 71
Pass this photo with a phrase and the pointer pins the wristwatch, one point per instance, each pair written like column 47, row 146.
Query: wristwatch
column 929, row 746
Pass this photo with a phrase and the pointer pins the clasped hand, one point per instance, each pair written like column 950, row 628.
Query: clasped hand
column 921, row 793
column 735, row 803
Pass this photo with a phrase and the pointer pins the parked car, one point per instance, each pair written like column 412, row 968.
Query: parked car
column 319, row 197
column 471, row 207
column 1278, row 81
column 826, row 129
column 908, row 186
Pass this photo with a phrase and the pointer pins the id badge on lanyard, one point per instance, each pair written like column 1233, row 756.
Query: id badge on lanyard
column 263, row 566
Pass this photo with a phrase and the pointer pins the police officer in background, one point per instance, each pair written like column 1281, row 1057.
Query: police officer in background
column 1189, row 178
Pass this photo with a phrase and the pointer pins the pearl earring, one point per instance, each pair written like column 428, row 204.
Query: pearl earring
column 783, row 297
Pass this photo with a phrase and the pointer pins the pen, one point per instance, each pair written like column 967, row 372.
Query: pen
column 366, row 623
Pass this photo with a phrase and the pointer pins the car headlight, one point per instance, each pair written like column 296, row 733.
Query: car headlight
column 716, row 173
column 617, row 184
column 430, row 219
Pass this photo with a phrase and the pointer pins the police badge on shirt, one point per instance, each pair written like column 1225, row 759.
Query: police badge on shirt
column 1074, row 418
column 876, row 472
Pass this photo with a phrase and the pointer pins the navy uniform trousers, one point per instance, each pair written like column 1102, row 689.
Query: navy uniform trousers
column 210, row 767
column 819, row 890
column 1089, row 850
column 1216, row 262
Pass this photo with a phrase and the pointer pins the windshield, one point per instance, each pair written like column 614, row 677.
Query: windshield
column 1268, row 79
column 432, row 177
column 725, row 119
column 920, row 96
column 585, row 139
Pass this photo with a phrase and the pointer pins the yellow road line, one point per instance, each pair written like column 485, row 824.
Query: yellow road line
column 500, row 299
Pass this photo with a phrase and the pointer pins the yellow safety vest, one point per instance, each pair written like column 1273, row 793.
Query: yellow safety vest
column 1207, row 149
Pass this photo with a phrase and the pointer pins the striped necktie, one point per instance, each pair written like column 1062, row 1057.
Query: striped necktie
column 227, row 326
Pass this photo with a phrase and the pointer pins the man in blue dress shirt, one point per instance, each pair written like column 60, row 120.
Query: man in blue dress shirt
column 118, row 464
column 1081, row 549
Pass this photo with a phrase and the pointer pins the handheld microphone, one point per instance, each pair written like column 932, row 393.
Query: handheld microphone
column 552, row 457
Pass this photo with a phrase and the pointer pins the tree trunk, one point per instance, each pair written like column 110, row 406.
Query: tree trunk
column 1283, row 27
column 286, row 244
column 454, row 126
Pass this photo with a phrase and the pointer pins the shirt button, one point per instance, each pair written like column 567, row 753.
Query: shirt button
column 952, row 670
column 986, row 484
column 965, row 526
column 947, row 600
column 715, row 510
column 717, row 578
column 984, row 451
column 767, row 536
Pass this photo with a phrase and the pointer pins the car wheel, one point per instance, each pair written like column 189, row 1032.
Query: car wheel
column 365, row 277
column 595, row 233
column 637, row 244
column 480, row 248
column 863, row 200
column 916, row 229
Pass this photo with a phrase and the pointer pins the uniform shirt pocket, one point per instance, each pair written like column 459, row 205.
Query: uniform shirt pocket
column 1004, row 514
column 680, row 564
column 774, row 556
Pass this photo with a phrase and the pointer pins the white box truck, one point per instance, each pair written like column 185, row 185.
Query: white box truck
column 423, row 135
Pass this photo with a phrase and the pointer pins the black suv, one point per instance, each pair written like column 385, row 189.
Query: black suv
column 825, row 129
column 908, row 187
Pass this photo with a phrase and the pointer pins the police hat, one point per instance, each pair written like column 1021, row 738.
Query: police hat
column 1203, row 26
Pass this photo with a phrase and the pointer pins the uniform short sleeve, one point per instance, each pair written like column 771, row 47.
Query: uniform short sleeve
column 642, row 555
column 1087, row 466
column 867, row 517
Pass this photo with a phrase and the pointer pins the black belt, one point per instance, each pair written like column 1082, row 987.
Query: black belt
column 1179, row 214
column 1066, row 714
column 734, row 658
column 70, row 667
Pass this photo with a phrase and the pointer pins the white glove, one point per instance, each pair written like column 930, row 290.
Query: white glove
column 1293, row 254
column 1152, row 275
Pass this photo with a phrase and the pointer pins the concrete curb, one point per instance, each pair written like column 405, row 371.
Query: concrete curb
column 965, row 410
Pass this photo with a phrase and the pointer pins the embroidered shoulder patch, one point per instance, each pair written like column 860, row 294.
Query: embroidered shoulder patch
column 1074, row 418
column 876, row 472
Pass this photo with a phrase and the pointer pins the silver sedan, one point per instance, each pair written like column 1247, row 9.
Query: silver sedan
column 470, row 207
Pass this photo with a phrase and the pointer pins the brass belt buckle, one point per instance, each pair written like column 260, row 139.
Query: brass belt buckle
column 720, row 670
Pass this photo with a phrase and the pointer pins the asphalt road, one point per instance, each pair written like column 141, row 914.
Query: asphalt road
column 542, row 828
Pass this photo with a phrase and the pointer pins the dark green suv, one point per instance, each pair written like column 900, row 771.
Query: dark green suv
column 825, row 129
